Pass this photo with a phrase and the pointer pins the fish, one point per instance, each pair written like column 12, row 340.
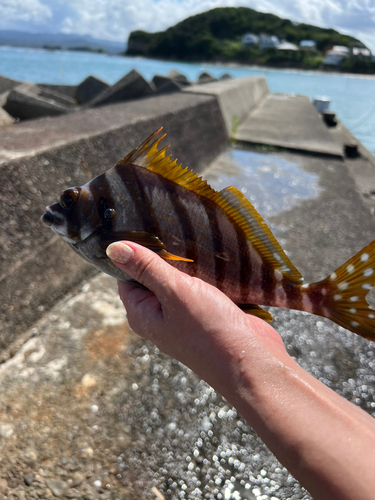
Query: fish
column 217, row 236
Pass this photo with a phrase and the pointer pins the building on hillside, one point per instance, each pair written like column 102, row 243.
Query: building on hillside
column 307, row 45
column 250, row 40
column 287, row 46
column 268, row 41
column 336, row 55
column 361, row 52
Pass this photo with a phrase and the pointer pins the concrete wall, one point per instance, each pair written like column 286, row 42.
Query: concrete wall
column 236, row 97
column 40, row 158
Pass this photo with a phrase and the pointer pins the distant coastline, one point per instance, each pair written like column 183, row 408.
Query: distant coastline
column 257, row 67
column 240, row 35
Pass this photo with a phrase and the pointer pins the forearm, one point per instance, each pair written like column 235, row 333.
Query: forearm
column 319, row 436
column 327, row 443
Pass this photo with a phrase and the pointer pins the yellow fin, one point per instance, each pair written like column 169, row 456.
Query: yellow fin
column 346, row 292
column 169, row 256
column 147, row 240
column 256, row 311
column 147, row 155
column 244, row 215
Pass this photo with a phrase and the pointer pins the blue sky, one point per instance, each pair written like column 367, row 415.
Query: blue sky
column 114, row 19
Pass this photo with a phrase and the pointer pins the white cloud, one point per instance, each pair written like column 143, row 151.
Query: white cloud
column 114, row 19
column 12, row 11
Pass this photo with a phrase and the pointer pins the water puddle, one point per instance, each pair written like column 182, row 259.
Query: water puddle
column 272, row 183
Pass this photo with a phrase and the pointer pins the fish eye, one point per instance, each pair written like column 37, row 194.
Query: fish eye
column 69, row 197
column 109, row 213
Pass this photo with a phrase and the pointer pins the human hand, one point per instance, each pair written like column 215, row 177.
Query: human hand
column 314, row 432
column 185, row 317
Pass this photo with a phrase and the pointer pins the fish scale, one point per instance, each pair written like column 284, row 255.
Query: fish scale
column 216, row 236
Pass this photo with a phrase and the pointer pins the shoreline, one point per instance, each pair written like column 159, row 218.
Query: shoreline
column 209, row 64
column 254, row 67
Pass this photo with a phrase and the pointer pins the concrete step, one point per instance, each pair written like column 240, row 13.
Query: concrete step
column 289, row 122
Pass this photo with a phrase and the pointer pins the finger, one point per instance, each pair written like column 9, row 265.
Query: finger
column 139, row 303
column 143, row 265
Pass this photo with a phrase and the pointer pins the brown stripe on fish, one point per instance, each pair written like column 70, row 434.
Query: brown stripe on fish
column 217, row 238
column 186, row 225
column 74, row 219
column 133, row 181
column 269, row 283
column 294, row 295
column 100, row 190
column 316, row 296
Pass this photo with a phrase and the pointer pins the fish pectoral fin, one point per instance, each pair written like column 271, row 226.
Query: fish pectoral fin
column 147, row 240
column 169, row 256
column 256, row 311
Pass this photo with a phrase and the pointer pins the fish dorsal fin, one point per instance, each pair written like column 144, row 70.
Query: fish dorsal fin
column 244, row 215
column 147, row 155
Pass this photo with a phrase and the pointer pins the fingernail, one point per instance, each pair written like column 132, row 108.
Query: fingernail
column 119, row 252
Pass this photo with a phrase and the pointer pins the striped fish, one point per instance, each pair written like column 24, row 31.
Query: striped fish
column 216, row 236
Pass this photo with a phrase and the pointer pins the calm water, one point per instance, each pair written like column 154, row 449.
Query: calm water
column 352, row 97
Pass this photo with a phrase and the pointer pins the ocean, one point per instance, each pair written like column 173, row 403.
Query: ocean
column 352, row 96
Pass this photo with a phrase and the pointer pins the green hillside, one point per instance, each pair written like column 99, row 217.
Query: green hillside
column 216, row 35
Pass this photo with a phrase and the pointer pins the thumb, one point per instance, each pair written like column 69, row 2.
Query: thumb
column 143, row 265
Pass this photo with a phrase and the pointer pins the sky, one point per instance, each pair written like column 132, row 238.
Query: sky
column 114, row 19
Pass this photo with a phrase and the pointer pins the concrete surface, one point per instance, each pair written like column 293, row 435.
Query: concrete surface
column 131, row 86
column 289, row 122
column 90, row 411
column 41, row 158
column 5, row 119
column 86, row 403
column 24, row 102
column 68, row 90
column 90, row 88
column 236, row 97
column 7, row 84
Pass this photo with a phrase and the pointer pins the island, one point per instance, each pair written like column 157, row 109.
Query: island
column 244, row 36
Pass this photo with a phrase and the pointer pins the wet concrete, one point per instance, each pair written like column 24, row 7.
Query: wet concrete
column 89, row 404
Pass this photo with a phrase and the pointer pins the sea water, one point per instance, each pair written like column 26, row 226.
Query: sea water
column 352, row 96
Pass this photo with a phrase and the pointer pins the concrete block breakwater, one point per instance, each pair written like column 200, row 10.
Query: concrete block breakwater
column 25, row 101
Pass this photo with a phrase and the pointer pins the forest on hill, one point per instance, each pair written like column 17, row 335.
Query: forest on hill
column 216, row 36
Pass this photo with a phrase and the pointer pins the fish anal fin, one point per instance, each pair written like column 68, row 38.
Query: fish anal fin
column 345, row 293
column 245, row 216
column 147, row 240
column 256, row 311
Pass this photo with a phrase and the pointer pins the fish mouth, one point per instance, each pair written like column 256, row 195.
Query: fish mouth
column 47, row 219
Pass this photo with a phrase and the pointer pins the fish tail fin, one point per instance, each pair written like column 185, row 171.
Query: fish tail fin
column 343, row 293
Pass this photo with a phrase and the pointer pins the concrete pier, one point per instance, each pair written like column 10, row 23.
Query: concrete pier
column 90, row 411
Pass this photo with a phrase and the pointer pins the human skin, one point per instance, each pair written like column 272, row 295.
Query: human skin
column 326, row 442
